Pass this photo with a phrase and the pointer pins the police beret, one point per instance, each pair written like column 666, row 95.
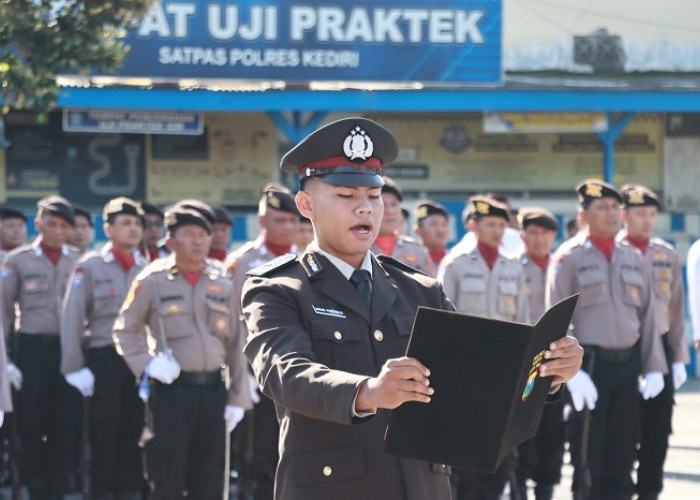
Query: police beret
column 122, row 206
column 179, row 216
column 82, row 211
column 537, row 216
column 59, row 207
column 593, row 189
column 198, row 206
column 426, row 208
column 349, row 152
column 279, row 197
column 149, row 208
column 222, row 216
column 391, row 186
column 636, row 195
column 11, row 213
column 481, row 206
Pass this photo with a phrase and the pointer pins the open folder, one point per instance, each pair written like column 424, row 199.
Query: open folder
column 488, row 395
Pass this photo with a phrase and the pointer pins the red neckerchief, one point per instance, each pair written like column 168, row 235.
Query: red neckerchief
column 153, row 253
column 124, row 259
column 437, row 255
column 5, row 249
column 489, row 253
column 53, row 254
column 277, row 249
column 641, row 243
column 605, row 245
column 386, row 243
column 218, row 254
column 191, row 276
column 542, row 263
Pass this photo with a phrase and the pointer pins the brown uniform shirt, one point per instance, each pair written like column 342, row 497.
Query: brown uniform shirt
column 411, row 253
column 98, row 288
column 614, row 309
column 535, row 283
column 473, row 288
column 669, row 296
column 30, row 280
column 195, row 322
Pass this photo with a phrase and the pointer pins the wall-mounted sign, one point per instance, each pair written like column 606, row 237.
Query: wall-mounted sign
column 132, row 122
column 545, row 122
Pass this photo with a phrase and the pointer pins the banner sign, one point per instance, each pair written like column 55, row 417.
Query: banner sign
column 132, row 122
column 499, row 123
column 440, row 41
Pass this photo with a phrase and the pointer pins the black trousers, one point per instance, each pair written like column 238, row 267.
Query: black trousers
column 116, row 420
column 541, row 457
column 48, row 412
column 471, row 485
column 613, row 430
column 185, row 458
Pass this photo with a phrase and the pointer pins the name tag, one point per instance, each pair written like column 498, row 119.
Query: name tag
column 323, row 311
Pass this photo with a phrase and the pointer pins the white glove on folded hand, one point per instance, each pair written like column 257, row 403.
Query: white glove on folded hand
column 15, row 376
column 253, row 388
column 83, row 380
column 680, row 375
column 583, row 391
column 163, row 368
column 651, row 385
column 232, row 415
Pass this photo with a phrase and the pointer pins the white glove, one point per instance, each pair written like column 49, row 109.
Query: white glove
column 2, row 417
column 232, row 415
column 163, row 368
column 83, row 380
column 15, row 376
column 679, row 375
column 651, row 385
column 583, row 391
column 253, row 388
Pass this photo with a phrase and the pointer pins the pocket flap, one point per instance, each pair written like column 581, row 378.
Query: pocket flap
column 329, row 465
column 338, row 331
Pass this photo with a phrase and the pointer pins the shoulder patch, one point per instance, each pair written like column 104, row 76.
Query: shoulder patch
column 274, row 265
column 384, row 259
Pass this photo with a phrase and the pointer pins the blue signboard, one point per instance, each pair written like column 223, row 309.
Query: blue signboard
column 433, row 41
column 132, row 122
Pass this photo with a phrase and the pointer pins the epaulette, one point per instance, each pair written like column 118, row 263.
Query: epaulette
column 663, row 243
column 240, row 251
column 384, row 259
column 274, row 265
column 89, row 255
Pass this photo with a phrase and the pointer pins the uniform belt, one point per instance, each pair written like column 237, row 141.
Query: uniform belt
column 214, row 377
column 49, row 339
column 613, row 355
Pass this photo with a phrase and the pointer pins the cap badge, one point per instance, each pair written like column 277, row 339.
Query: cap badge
column 635, row 198
column 421, row 212
column 482, row 207
column 358, row 145
column 273, row 201
column 170, row 219
column 594, row 190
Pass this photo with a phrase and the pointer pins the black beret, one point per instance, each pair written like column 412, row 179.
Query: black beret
column 150, row 208
column 59, row 207
column 593, row 189
column 222, row 215
column 406, row 214
column 122, row 206
column 636, row 195
column 481, row 206
column 179, row 216
column 198, row 206
column 82, row 211
column 426, row 208
column 11, row 213
column 279, row 198
column 348, row 152
column 537, row 216
column 391, row 186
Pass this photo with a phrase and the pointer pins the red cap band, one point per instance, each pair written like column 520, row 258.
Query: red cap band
column 337, row 161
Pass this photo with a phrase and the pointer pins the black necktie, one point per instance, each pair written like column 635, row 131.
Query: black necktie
column 363, row 284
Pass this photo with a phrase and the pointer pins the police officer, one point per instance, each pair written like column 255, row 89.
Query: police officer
column 89, row 360
column 484, row 282
column 279, row 220
column 153, row 231
column 305, row 234
column 389, row 242
column 540, row 458
column 220, row 234
column 641, row 207
column 84, row 231
column 186, row 303
column 432, row 228
column 615, row 322
column 13, row 230
column 34, row 278
column 328, row 329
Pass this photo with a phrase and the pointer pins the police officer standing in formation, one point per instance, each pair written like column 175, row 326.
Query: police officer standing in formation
column 220, row 234
column 35, row 277
column 486, row 283
column 153, row 231
column 13, row 230
column 328, row 329
column 191, row 350
column 279, row 220
column 641, row 207
column 89, row 359
column 541, row 457
column 84, row 231
column 432, row 229
column 389, row 242
column 615, row 323
column 693, row 276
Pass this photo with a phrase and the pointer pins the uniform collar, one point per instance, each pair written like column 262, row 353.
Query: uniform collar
column 345, row 269
column 36, row 245
column 108, row 256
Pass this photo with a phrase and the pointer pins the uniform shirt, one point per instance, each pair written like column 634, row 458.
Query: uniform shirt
column 194, row 322
column 37, row 286
column 411, row 253
column 668, row 296
column 693, row 275
column 5, row 394
column 535, row 283
column 614, row 308
column 98, row 288
column 473, row 288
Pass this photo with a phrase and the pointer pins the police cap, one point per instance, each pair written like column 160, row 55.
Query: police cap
column 82, row 211
column 222, row 216
column 180, row 215
column 636, row 195
column 426, row 208
column 58, row 206
column 150, row 208
column 539, row 217
column 122, row 206
column 480, row 206
column 11, row 213
column 198, row 206
column 279, row 198
column 347, row 152
column 392, row 187
column 594, row 189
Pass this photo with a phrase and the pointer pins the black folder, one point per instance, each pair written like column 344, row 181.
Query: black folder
column 488, row 395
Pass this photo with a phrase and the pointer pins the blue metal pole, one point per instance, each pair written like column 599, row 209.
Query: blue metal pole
column 299, row 128
column 609, row 137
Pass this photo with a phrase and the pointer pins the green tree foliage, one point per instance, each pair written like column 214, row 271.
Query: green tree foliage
column 40, row 39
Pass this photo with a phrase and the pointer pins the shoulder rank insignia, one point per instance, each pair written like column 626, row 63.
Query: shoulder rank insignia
column 274, row 265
